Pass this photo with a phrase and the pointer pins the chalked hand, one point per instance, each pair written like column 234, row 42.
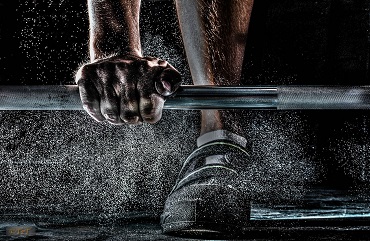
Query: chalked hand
column 126, row 89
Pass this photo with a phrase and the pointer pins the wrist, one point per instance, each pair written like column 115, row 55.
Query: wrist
column 103, row 48
column 133, row 55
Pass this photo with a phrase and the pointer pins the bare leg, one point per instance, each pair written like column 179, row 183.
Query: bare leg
column 214, row 34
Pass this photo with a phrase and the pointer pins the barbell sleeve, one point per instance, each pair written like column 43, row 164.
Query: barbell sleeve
column 66, row 97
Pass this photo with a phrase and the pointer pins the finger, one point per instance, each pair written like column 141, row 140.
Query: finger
column 104, row 78
column 129, row 104
column 90, row 99
column 151, row 108
column 109, row 105
column 169, row 81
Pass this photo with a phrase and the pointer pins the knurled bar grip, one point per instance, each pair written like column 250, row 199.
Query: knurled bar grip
column 66, row 97
column 323, row 97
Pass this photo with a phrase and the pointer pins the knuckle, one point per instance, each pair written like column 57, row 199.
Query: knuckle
column 82, row 74
column 120, row 65
column 85, row 69
column 162, row 62
column 121, row 68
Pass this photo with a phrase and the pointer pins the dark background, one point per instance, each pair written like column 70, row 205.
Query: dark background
column 325, row 42
column 63, row 162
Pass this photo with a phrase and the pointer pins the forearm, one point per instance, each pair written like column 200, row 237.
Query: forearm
column 214, row 34
column 114, row 28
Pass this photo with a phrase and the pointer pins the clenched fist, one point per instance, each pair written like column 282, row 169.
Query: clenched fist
column 126, row 89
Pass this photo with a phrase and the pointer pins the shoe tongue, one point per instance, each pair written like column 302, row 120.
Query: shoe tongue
column 219, row 135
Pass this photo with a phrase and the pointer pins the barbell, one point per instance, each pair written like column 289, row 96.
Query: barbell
column 190, row 97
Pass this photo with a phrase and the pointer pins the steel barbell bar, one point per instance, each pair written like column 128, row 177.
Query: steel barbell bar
column 189, row 97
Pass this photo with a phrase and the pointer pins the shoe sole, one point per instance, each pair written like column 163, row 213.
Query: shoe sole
column 205, row 210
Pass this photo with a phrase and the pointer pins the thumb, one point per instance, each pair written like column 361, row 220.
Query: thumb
column 169, row 81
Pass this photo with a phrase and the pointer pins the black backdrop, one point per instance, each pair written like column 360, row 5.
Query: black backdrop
column 325, row 42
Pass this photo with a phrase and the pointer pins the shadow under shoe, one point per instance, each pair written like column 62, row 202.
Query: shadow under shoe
column 206, row 200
